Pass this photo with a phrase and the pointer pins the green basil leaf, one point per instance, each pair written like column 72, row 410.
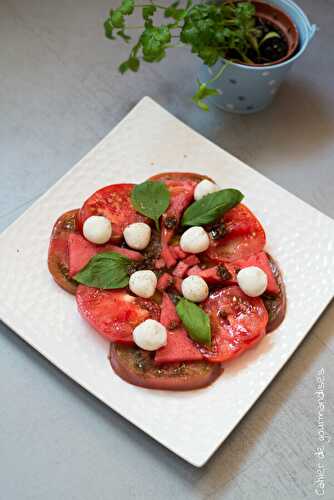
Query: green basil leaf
column 195, row 321
column 105, row 270
column 210, row 207
column 150, row 199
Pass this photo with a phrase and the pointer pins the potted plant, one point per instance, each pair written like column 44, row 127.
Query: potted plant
column 246, row 47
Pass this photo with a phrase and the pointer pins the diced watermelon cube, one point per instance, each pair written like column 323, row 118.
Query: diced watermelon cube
column 191, row 260
column 181, row 269
column 178, row 284
column 80, row 251
column 168, row 317
column 179, row 348
column 217, row 275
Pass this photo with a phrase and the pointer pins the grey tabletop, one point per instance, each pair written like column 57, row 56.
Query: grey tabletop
column 60, row 93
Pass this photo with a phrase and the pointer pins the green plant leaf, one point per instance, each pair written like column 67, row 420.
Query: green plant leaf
column 148, row 11
column 195, row 321
column 106, row 270
column 210, row 207
column 123, row 67
column 133, row 63
column 202, row 93
column 150, row 199
column 117, row 19
column 108, row 29
column 127, row 7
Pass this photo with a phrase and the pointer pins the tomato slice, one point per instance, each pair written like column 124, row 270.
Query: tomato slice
column 58, row 257
column 114, row 203
column 245, row 236
column 138, row 368
column 275, row 304
column 114, row 313
column 237, row 321
column 260, row 260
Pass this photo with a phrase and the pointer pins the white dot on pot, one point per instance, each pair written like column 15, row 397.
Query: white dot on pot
column 230, row 106
column 265, row 73
column 272, row 82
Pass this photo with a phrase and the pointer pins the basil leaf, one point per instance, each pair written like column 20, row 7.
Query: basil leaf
column 195, row 321
column 150, row 199
column 210, row 207
column 105, row 270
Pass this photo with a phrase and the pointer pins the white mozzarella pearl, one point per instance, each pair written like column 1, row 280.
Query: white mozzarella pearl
column 97, row 229
column 150, row 335
column 205, row 187
column 252, row 281
column 194, row 240
column 143, row 283
column 137, row 235
column 194, row 288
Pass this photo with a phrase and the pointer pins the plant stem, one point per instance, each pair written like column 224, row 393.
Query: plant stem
column 219, row 73
column 135, row 27
column 139, row 6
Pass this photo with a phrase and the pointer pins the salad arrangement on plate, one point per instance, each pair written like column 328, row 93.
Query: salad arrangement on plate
column 173, row 273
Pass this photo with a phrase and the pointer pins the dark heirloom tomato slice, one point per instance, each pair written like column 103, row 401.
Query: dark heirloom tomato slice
column 114, row 203
column 114, row 313
column 237, row 321
column 179, row 176
column 137, row 367
column 58, row 260
column 275, row 304
column 245, row 236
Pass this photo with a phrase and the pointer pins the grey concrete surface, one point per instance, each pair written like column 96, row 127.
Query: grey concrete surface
column 60, row 93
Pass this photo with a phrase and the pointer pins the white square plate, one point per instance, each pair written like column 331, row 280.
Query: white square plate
column 191, row 424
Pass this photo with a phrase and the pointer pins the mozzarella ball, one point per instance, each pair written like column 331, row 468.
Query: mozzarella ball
column 137, row 235
column 194, row 240
column 97, row 229
column 205, row 187
column 252, row 281
column 143, row 283
column 150, row 335
column 194, row 288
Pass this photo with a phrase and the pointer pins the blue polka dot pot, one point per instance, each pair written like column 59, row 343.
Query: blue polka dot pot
column 248, row 89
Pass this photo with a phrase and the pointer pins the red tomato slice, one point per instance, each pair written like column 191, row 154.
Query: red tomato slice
column 58, row 257
column 260, row 260
column 80, row 252
column 114, row 203
column 179, row 348
column 137, row 367
column 114, row 313
column 237, row 321
column 245, row 236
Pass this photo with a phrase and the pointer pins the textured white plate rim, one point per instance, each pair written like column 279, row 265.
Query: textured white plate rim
column 11, row 321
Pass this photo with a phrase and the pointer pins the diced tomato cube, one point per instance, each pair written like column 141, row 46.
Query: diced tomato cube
column 260, row 260
column 165, row 281
column 179, row 348
column 178, row 284
column 168, row 316
column 222, row 274
column 177, row 252
column 191, row 260
column 168, row 257
column 159, row 263
column 181, row 269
